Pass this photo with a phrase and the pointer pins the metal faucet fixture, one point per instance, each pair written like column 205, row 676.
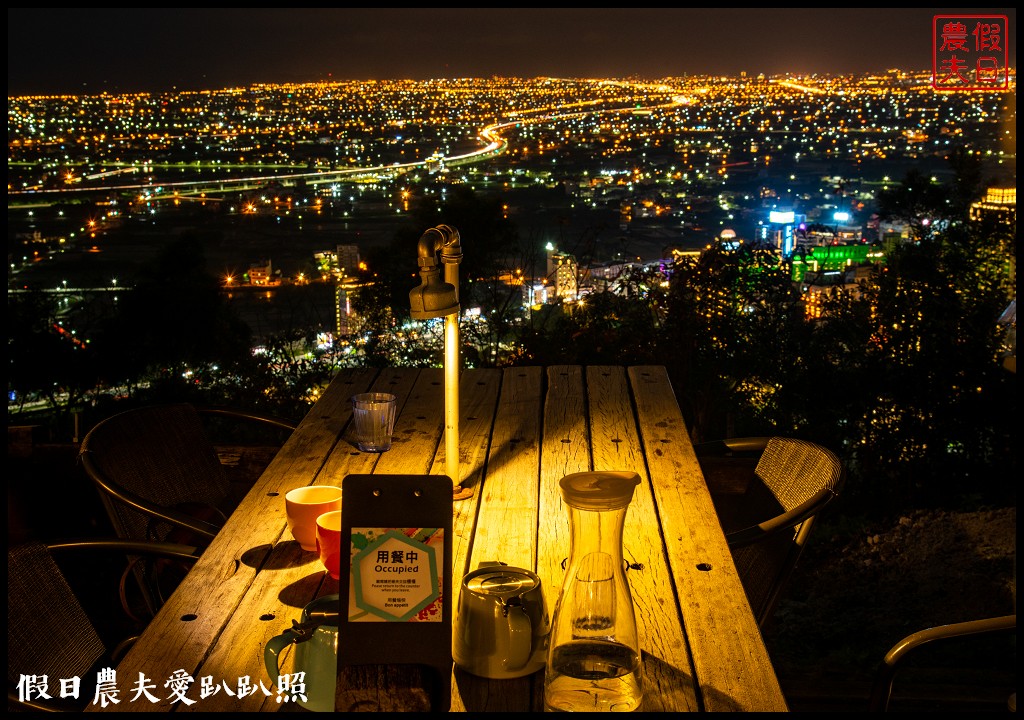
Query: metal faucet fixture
column 436, row 298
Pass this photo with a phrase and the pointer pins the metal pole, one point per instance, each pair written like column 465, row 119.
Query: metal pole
column 451, row 257
column 451, row 398
column 434, row 299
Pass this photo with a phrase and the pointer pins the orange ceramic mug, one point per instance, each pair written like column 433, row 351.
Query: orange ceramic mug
column 304, row 505
column 328, row 542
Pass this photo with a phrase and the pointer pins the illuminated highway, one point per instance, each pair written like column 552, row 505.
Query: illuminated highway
column 492, row 145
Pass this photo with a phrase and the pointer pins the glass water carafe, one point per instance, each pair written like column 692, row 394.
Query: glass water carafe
column 593, row 660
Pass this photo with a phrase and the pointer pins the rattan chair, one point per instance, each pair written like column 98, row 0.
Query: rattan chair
column 159, row 476
column 881, row 690
column 768, row 525
column 156, row 469
column 49, row 633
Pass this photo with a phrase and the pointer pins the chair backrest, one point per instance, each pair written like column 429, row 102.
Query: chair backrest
column 152, row 464
column 48, row 631
column 796, row 480
column 796, row 471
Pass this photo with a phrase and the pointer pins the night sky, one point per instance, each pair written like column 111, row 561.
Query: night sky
column 93, row 50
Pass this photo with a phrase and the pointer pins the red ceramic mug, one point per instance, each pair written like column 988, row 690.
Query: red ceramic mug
column 328, row 542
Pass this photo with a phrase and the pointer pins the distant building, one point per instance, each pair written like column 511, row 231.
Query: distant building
column 826, row 268
column 605, row 278
column 343, row 315
column 326, row 263
column 341, row 263
column 834, row 260
column 999, row 203
column 536, row 293
column 262, row 275
column 563, row 272
column 348, row 259
column 781, row 230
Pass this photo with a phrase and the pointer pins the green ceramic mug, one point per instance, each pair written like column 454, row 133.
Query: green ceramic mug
column 315, row 638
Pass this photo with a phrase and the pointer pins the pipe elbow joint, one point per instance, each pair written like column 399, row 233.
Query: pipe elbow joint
column 426, row 249
column 451, row 249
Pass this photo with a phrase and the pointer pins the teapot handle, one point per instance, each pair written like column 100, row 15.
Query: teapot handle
column 272, row 652
column 520, row 637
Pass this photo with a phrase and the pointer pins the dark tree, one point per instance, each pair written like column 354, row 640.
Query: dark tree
column 732, row 336
column 45, row 360
column 174, row 320
column 942, row 417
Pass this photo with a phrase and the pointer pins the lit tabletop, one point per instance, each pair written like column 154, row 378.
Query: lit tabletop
column 520, row 430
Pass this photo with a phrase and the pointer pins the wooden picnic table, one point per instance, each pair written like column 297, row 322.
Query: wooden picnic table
column 521, row 429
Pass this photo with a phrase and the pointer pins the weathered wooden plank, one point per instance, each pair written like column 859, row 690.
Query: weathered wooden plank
column 345, row 458
column 288, row 581
column 565, row 449
column 506, row 525
column 478, row 398
column 506, row 522
column 384, row 688
column 479, row 391
column 668, row 674
column 239, row 651
column 418, row 429
column 478, row 394
column 731, row 662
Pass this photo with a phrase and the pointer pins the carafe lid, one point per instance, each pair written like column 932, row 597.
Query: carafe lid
column 601, row 490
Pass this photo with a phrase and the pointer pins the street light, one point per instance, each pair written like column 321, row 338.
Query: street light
column 435, row 298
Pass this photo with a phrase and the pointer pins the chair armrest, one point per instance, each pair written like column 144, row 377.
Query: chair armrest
column 55, row 704
column 131, row 547
column 797, row 515
column 732, row 447
column 252, row 415
column 122, row 648
column 882, row 688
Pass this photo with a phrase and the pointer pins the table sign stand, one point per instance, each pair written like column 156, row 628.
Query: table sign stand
column 395, row 593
